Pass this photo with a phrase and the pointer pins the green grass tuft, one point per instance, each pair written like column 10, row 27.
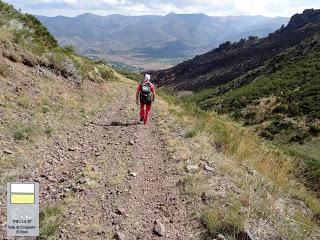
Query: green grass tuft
column 227, row 220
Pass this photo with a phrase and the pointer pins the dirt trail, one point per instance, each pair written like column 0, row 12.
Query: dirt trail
column 115, row 175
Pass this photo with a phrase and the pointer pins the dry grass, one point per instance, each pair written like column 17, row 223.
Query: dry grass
column 4, row 70
column 12, row 56
column 6, row 34
column 252, row 187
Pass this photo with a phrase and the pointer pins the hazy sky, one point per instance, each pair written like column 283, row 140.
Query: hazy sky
column 160, row 7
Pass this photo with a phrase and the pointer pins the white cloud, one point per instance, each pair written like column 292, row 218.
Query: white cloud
column 161, row 7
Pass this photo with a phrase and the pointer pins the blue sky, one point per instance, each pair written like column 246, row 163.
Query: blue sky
column 160, row 7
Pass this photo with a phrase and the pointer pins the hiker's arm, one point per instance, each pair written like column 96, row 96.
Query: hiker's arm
column 153, row 92
column 137, row 93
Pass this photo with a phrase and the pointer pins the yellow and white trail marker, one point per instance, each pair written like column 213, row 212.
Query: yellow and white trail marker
column 23, row 209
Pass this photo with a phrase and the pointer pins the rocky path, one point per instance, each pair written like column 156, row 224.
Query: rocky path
column 115, row 179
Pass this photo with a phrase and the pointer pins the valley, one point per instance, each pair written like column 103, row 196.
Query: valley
column 153, row 42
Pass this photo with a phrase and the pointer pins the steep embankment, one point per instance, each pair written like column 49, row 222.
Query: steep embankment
column 229, row 61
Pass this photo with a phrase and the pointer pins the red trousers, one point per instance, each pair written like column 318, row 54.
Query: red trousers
column 144, row 112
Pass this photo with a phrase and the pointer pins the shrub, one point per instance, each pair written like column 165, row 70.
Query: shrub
column 18, row 135
column 131, row 75
column 57, row 60
column 299, row 137
column 49, row 221
column 45, row 109
column 314, row 130
column 23, row 133
column 218, row 220
column 49, row 130
column 266, row 134
column 11, row 56
column 107, row 74
column 69, row 49
column 4, row 70
column 281, row 109
column 191, row 133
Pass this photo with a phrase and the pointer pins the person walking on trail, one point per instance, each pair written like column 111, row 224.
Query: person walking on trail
column 145, row 96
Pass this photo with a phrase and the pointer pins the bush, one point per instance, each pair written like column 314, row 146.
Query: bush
column 49, row 221
column 266, row 134
column 45, row 109
column 6, row 34
column 4, row 70
column 24, row 133
column 191, row 133
column 299, row 137
column 131, row 75
column 228, row 221
column 69, row 49
column 12, row 56
column 38, row 31
column 314, row 130
column 107, row 74
column 49, row 130
column 281, row 109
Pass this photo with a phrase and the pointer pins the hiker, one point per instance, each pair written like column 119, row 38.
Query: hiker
column 146, row 93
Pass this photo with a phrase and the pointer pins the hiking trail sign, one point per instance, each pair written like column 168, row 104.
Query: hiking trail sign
column 23, row 209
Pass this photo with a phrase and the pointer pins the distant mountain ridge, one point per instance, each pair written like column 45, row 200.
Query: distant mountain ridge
column 231, row 60
column 171, row 36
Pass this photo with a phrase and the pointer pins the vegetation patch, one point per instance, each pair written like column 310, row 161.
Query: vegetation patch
column 227, row 220
column 50, row 219
column 4, row 70
column 24, row 132
column 191, row 133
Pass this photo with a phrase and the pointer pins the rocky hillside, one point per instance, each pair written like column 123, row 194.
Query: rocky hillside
column 44, row 89
column 229, row 61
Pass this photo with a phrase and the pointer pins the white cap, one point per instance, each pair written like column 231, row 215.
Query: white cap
column 147, row 77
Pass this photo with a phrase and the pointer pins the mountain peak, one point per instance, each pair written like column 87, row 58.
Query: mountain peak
column 87, row 15
column 308, row 16
column 171, row 14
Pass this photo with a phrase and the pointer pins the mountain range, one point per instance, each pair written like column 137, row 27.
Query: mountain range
column 231, row 60
column 154, row 42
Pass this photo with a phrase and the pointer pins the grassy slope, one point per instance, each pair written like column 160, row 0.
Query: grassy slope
column 279, row 100
column 250, row 178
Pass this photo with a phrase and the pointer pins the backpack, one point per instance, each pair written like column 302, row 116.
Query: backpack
column 145, row 94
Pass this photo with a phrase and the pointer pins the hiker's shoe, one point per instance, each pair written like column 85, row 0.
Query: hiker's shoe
column 142, row 119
